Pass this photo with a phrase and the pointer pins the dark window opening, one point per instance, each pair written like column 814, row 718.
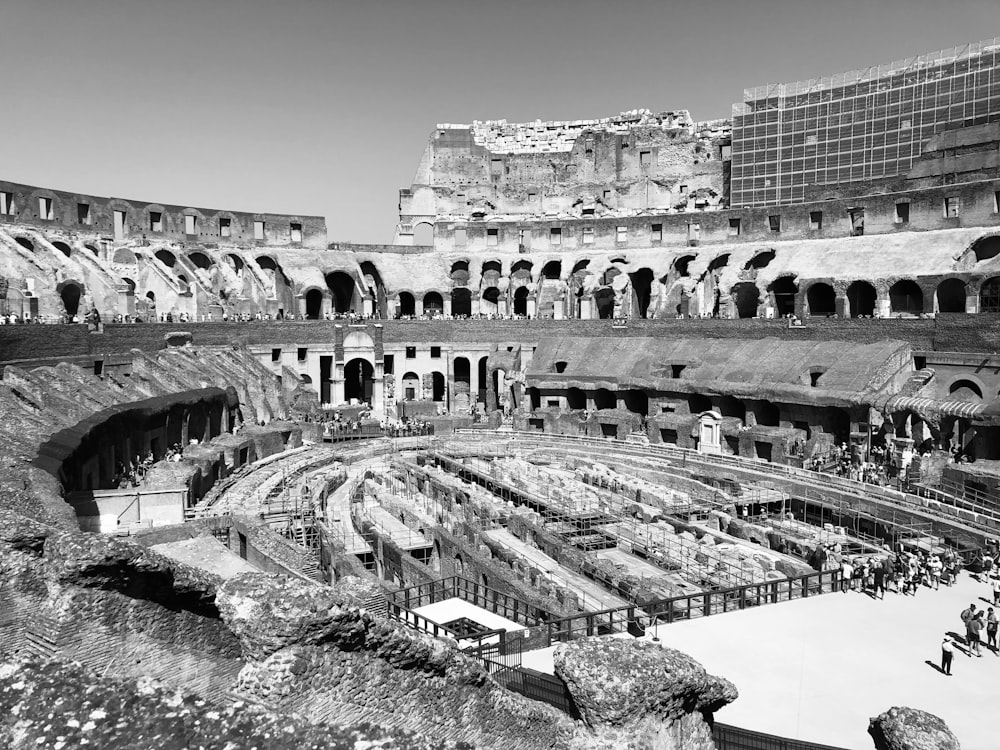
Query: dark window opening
column 561, row 366
column 225, row 228
column 435, row 352
column 645, row 158
column 276, row 355
column 83, row 213
column 303, row 353
column 816, row 220
column 295, row 231
column 155, row 221
column 676, row 370
column 411, row 352
column 656, row 233
column 734, row 227
column 774, row 222
column 902, row 213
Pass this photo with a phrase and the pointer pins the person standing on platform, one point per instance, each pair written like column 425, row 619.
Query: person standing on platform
column 991, row 630
column 947, row 654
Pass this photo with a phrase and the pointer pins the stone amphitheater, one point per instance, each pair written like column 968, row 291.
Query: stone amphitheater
column 618, row 386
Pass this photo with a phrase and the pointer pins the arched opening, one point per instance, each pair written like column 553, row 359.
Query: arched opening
column 906, row 297
column 605, row 399
column 26, row 243
column 461, row 302
column 306, row 379
column 721, row 262
column 551, row 270
column 411, row 387
column 521, row 272
column 861, row 297
column 235, row 262
column 760, row 260
column 642, row 282
column 151, row 297
column 433, row 304
column 63, row 248
column 610, row 275
column 521, row 301
column 423, row 234
column 200, row 260
column 460, row 272
column 730, row 406
column 373, row 282
column 314, row 304
column 681, row 265
column 698, row 403
column 965, row 390
column 986, row 248
column 580, row 267
column 341, row 286
column 821, row 299
column 784, row 290
column 359, row 380
column 93, row 250
column 636, row 401
column 407, row 305
column 576, row 399
column 129, row 283
column 71, row 294
column 463, row 370
column 951, row 296
column 490, row 301
column 768, row 414
column 604, row 300
column 492, row 270
column 437, row 386
column 166, row 257
column 483, row 378
column 747, row 297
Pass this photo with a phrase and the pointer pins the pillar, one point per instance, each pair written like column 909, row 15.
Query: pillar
column 337, row 391
column 378, row 388
column 447, row 304
column 841, row 305
column 971, row 301
column 531, row 306
column 418, row 305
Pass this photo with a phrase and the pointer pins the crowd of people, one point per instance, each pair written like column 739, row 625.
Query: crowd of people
column 902, row 572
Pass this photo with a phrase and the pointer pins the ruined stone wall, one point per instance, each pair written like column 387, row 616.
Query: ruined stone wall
column 66, row 214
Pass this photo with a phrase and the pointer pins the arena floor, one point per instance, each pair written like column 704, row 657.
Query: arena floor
column 817, row 669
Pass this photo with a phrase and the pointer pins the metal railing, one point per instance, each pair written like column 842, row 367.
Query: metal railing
column 457, row 587
column 728, row 737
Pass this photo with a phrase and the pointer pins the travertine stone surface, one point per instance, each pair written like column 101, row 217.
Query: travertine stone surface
column 902, row 728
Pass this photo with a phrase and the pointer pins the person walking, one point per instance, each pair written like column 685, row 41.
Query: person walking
column 947, row 654
column 878, row 575
column 968, row 615
column 846, row 575
column 991, row 630
column 975, row 628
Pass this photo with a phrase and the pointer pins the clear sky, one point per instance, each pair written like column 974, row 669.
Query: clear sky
column 324, row 106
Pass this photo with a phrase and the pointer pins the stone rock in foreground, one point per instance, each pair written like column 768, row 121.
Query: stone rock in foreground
column 617, row 682
column 60, row 705
column 902, row 728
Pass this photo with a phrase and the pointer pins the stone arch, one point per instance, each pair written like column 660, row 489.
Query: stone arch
column 93, row 249
column 461, row 301
column 604, row 301
column 698, row 403
column 359, row 380
column 342, row 290
column 747, row 298
column 359, row 340
column 906, row 297
column 680, row 265
column 861, row 298
column 165, row 257
column 760, row 260
column 491, row 272
column 966, row 388
column 520, row 272
column 784, row 289
column 63, row 248
column 25, row 243
column 552, row 270
column 580, row 267
column 407, row 303
column 986, row 247
column 636, row 401
column 411, row 386
column 130, row 283
column 521, row 300
column 767, row 413
column 490, row 300
column 720, row 261
column 314, row 303
column 989, row 295
column 234, row 261
column 423, row 234
column 950, row 294
column 642, row 286
column 821, row 299
column 730, row 406
column 433, row 303
column 201, row 260
column 460, row 272
column 463, row 370
column 71, row 292
column 576, row 399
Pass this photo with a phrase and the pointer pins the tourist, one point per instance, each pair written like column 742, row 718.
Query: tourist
column 846, row 576
column 947, row 654
column 995, row 585
column 968, row 615
column 991, row 630
column 878, row 575
column 975, row 629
